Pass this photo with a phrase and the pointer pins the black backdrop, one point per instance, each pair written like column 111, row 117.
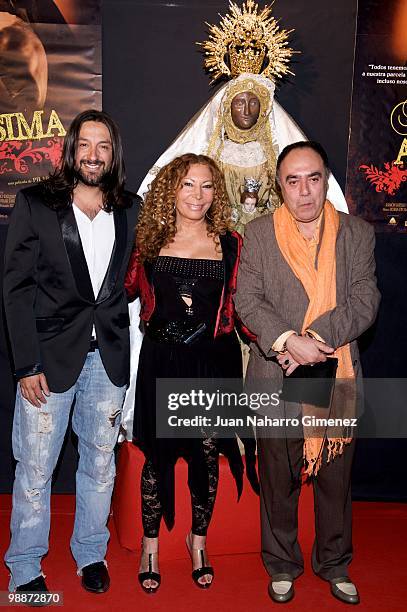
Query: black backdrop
column 153, row 83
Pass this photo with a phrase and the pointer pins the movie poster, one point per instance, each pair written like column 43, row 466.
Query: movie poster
column 376, row 186
column 50, row 70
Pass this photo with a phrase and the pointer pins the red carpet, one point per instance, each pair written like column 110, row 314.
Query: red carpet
column 379, row 567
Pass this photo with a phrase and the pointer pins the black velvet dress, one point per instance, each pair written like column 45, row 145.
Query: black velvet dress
column 187, row 294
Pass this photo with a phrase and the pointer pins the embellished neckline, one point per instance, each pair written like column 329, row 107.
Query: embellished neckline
column 188, row 258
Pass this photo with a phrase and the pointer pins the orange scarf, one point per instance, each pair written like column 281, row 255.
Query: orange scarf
column 320, row 286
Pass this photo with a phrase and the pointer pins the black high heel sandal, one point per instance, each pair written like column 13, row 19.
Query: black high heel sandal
column 204, row 570
column 149, row 575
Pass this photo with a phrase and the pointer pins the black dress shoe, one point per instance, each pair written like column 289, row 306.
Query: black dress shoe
column 34, row 586
column 342, row 595
column 95, row 577
column 274, row 591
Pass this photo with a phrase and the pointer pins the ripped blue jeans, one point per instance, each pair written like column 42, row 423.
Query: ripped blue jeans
column 38, row 434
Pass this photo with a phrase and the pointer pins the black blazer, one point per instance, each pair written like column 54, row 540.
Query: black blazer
column 48, row 297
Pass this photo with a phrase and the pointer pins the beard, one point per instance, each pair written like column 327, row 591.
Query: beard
column 91, row 178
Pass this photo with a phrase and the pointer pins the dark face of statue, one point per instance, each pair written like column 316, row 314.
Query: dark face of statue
column 245, row 109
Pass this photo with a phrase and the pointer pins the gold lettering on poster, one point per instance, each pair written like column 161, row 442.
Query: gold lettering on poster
column 54, row 123
column 398, row 118
column 14, row 126
column 402, row 153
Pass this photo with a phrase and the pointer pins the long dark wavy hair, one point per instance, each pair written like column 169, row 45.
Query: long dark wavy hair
column 61, row 183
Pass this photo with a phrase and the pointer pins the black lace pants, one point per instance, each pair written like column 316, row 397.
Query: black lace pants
column 201, row 514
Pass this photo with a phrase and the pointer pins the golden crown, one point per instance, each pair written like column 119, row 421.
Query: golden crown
column 251, row 40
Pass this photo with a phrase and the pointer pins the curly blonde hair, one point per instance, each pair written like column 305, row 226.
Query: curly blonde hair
column 157, row 221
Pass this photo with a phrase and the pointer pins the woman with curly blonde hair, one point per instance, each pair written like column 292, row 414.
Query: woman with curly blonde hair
column 184, row 268
column 157, row 224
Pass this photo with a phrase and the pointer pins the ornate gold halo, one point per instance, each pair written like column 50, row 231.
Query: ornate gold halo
column 249, row 39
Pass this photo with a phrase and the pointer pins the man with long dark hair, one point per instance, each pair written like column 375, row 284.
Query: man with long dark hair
column 67, row 251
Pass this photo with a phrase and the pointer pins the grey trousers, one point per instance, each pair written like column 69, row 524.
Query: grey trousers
column 280, row 461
